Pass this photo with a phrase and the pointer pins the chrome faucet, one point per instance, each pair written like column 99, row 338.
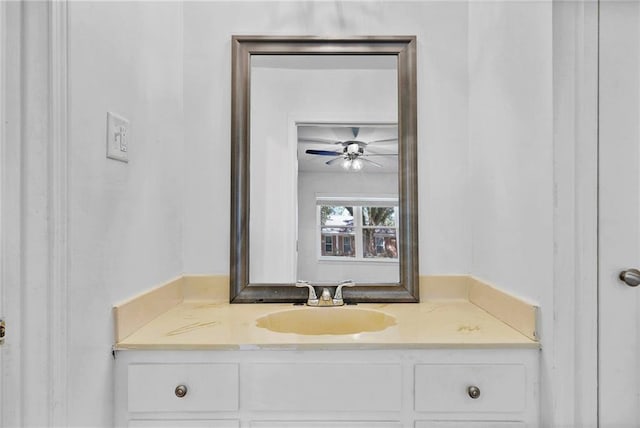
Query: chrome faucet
column 325, row 297
column 313, row 298
column 337, row 298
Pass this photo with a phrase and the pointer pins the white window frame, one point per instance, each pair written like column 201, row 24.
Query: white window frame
column 357, row 203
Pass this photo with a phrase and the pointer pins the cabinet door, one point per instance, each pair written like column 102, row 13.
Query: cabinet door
column 468, row 424
column 184, row 424
column 293, row 387
column 325, row 424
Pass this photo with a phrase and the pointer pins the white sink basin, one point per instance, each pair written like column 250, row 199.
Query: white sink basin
column 317, row 321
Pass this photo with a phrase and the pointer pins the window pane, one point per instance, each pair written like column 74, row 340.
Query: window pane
column 338, row 241
column 380, row 243
column 328, row 244
column 332, row 215
column 378, row 216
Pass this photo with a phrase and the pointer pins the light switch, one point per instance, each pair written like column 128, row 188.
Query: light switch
column 117, row 137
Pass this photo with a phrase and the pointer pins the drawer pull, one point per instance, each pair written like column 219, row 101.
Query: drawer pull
column 473, row 391
column 181, row 391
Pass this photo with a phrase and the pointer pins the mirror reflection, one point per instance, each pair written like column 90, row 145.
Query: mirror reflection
column 323, row 157
column 348, row 203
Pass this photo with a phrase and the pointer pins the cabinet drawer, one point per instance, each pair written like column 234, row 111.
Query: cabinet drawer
column 444, row 388
column 153, row 423
column 331, row 387
column 209, row 387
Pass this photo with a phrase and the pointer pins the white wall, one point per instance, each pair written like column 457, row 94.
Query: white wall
column 125, row 220
column 311, row 184
column 511, row 161
column 511, row 145
column 441, row 30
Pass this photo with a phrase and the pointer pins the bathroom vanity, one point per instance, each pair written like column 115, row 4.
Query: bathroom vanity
column 467, row 356
column 414, row 352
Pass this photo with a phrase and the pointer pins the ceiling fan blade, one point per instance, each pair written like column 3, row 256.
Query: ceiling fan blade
column 381, row 154
column 388, row 140
column 317, row 140
column 332, row 161
column 371, row 162
column 322, row 152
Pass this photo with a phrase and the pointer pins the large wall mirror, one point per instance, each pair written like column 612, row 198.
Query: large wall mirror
column 324, row 183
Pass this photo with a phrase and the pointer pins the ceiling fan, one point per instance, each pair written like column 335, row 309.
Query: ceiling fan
column 352, row 154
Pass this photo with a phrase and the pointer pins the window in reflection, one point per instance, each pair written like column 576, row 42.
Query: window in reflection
column 358, row 231
column 336, row 231
column 377, row 241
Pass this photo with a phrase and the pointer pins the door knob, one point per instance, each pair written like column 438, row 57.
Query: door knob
column 631, row 277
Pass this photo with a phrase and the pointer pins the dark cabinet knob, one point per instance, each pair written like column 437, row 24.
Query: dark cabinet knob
column 473, row 391
column 181, row 391
column 631, row 277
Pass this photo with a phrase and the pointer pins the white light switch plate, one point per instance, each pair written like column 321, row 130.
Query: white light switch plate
column 117, row 137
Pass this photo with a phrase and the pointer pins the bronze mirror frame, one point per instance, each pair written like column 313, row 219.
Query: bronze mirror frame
column 404, row 48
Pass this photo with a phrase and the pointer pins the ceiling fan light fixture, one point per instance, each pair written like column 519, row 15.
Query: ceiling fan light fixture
column 352, row 164
column 353, row 148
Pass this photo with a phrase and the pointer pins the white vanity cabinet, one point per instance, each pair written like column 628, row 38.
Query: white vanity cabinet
column 334, row 388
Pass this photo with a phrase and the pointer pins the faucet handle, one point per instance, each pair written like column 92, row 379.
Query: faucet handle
column 313, row 298
column 337, row 298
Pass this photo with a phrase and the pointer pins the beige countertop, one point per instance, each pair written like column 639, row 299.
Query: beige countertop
column 179, row 318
